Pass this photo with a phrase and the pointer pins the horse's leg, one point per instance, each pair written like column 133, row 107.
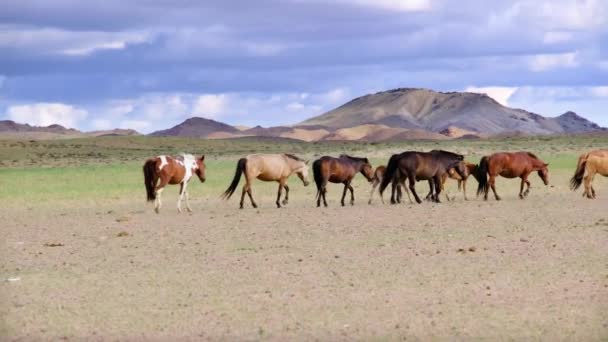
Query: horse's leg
column 159, row 190
column 438, row 187
column 243, row 196
column 412, row 179
column 521, row 187
column 394, row 186
column 371, row 193
column 188, row 201
column 429, row 196
column 182, row 189
column 528, row 186
column 344, row 193
column 588, row 192
column 407, row 191
column 279, row 193
column 253, row 204
column 464, row 188
column 352, row 194
column 399, row 193
column 286, row 200
column 492, row 182
column 325, row 194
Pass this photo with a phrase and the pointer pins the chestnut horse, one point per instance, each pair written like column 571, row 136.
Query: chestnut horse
column 171, row 170
column 467, row 169
column 377, row 179
column 416, row 166
column 268, row 168
column 339, row 170
column 590, row 164
column 509, row 165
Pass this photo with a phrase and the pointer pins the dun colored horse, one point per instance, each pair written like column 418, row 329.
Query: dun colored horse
column 590, row 164
column 416, row 166
column 339, row 170
column 268, row 168
column 171, row 170
column 377, row 179
column 509, row 165
column 467, row 169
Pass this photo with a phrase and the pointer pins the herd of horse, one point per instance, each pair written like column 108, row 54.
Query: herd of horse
column 401, row 172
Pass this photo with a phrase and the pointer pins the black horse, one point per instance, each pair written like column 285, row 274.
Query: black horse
column 416, row 166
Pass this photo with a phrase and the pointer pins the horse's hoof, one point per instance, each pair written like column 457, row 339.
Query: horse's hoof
column 156, row 210
column 255, row 206
column 285, row 202
column 278, row 205
column 498, row 199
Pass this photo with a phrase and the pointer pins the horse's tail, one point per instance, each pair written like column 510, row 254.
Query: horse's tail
column 389, row 173
column 577, row 179
column 482, row 176
column 318, row 175
column 150, row 178
column 241, row 166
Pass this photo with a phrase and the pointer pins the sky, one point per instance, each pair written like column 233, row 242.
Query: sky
column 150, row 64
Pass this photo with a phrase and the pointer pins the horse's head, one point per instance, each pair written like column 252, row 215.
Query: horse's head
column 367, row 170
column 543, row 173
column 302, row 172
column 200, row 168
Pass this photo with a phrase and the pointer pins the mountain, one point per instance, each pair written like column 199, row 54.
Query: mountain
column 13, row 130
column 200, row 128
column 12, row 126
column 425, row 109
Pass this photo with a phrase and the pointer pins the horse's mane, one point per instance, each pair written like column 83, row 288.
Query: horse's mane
column 288, row 155
column 449, row 154
column 532, row 155
column 357, row 159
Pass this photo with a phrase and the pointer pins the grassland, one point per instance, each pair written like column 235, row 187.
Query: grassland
column 84, row 257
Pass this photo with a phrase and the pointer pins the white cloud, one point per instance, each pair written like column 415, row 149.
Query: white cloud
column 74, row 43
column 601, row 91
column 335, row 96
column 500, row 94
column 210, row 105
column 556, row 37
column 393, row 5
column 295, row 106
column 44, row 114
column 102, row 124
column 544, row 62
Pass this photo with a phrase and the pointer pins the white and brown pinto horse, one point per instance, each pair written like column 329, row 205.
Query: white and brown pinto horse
column 268, row 168
column 162, row 170
column 590, row 164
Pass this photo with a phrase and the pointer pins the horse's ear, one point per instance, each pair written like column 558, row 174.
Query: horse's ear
column 203, row 157
column 546, row 164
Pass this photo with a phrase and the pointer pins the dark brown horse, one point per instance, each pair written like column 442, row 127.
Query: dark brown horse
column 339, row 170
column 509, row 165
column 162, row 170
column 416, row 166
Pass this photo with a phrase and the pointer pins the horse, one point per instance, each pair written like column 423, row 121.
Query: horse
column 416, row 166
column 467, row 169
column 339, row 170
column 590, row 164
column 509, row 165
column 171, row 170
column 267, row 168
column 377, row 179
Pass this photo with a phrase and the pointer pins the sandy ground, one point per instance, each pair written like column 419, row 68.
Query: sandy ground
column 525, row 270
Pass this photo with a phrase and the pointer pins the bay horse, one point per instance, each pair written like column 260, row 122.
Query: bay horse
column 467, row 169
column 339, row 170
column 415, row 166
column 162, row 170
column 590, row 164
column 377, row 179
column 268, row 168
column 509, row 165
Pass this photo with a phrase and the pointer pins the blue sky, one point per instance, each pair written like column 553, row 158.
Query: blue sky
column 149, row 64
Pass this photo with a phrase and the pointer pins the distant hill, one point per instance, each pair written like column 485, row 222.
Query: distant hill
column 12, row 130
column 399, row 114
column 433, row 111
column 200, row 128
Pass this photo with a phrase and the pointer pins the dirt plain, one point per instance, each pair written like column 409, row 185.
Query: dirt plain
column 111, row 269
